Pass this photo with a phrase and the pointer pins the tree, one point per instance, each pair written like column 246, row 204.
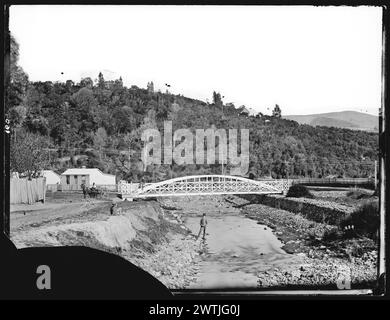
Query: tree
column 86, row 82
column 123, row 119
column 118, row 84
column 217, row 100
column 100, row 140
column 277, row 112
column 132, row 144
column 29, row 154
column 101, row 117
column 16, row 79
column 84, row 101
column 101, row 82
column 17, row 115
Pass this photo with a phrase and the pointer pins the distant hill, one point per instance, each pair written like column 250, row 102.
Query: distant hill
column 345, row 119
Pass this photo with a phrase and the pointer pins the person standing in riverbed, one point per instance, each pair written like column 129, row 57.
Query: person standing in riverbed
column 203, row 224
column 84, row 188
column 113, row 208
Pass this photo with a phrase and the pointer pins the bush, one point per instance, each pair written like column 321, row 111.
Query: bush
column 358, row 194
column 356, row 250
column 365, row 219
column 331, row 235
column 299, row 191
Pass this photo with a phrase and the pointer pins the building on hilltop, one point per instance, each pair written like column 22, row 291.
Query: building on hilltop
column 277, row 112
column 230, row 105
column 243, row 111
column 252, row 112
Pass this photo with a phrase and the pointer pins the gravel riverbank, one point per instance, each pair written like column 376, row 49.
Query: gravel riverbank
column 325, row 262
column 173, row 262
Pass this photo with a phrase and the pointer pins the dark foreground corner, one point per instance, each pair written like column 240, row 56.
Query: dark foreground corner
column 75, row 273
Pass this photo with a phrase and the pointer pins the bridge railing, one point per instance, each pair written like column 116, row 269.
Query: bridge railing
column 212, row 184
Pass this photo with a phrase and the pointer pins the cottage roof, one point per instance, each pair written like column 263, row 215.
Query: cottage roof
column 84, row 171
column 244, row 109
column 49, row 171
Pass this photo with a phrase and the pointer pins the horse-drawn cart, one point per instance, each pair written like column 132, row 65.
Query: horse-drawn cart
column 92, row 192
column 95, row 193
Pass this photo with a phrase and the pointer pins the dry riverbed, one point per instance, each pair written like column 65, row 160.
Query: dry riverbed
column 236, row 253
column 236, row 249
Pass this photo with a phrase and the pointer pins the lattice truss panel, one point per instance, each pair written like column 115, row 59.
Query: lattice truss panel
column 208, row 184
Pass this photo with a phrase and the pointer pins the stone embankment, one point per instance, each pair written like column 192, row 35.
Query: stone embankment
column 313, row 209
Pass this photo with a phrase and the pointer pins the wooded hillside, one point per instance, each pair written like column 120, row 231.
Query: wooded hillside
column 99, row 124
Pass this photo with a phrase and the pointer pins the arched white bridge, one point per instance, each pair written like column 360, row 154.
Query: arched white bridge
column 202, row 185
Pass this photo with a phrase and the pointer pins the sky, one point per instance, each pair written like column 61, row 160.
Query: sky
column 305, row 59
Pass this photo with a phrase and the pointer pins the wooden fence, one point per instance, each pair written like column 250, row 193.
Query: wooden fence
column 52, row 187
column 76, row 187
column 27, row 191
column 108, row 187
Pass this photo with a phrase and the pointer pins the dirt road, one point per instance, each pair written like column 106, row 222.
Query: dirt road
column 31, row 216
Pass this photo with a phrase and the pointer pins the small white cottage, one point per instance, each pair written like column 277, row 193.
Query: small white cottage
column 72, row 179
column 51, row 177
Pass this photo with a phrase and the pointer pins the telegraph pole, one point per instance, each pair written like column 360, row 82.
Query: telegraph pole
column 222, row 161
column 375, row 174
column 222, row 164
column 287, row 169
column 144, row 159
column 129, row 156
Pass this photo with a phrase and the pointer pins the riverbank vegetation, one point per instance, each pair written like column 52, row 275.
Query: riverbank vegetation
column 365, row 220
column 299, row 191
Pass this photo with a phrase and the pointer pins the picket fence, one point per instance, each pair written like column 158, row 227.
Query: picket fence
column 27, row 191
